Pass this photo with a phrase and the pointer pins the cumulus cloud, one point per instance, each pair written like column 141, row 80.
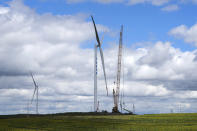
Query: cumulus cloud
column 183, row 32
column 147, row 63
column 51, row 47
column 47, row 45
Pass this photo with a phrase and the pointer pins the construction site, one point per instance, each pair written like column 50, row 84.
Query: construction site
column 118, row 98
column 116, row 89
column 96, row 65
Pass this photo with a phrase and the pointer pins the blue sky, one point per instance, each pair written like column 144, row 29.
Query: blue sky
column 142, row 22
column 54, row 40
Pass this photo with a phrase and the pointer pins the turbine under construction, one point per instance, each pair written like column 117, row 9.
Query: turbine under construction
column 35, row 92
column 116, row 92
column 95, row 66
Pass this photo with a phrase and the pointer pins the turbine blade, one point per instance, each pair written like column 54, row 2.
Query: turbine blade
column 97, row 37
column 35, row 85
column 34, row 81
column 103, row 64
column 102, row 38
column 33, row 95
column 101, row 53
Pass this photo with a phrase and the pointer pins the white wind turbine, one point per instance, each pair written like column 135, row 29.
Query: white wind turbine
column 95, row 66
column 35, row 92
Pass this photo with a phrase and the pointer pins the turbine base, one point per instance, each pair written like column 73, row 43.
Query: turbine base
column 115, row 110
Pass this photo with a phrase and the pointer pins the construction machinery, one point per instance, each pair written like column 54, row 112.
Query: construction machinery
column 98, row 45
column 117, row 90
column 128, row 111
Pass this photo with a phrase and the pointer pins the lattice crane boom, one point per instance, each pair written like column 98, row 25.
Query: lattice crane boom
column 117, row 91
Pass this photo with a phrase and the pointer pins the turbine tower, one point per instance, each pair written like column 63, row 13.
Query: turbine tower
column 35, row 92
column 116, row 92
column 98, row 45
column 133, row 109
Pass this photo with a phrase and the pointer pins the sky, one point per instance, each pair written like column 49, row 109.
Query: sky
column 54, row 39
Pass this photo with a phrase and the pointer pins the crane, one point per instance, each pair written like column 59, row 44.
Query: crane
column 116, row 92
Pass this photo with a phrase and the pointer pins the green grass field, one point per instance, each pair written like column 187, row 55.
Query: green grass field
column 160, row 122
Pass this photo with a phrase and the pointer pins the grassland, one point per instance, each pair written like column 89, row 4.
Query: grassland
column 62, row 122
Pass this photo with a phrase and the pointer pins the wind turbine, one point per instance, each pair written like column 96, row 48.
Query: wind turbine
column 95, row 65
column 35, row 92
column 133, row 108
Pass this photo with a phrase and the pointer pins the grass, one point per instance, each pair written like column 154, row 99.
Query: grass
column 62, row 122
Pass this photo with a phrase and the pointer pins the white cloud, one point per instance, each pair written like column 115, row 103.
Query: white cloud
column 136, row 88
column 186, row 95
column 147, row 63
column 50, row 47
column 183, row 32
column 4, row 10
column 170, row 8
